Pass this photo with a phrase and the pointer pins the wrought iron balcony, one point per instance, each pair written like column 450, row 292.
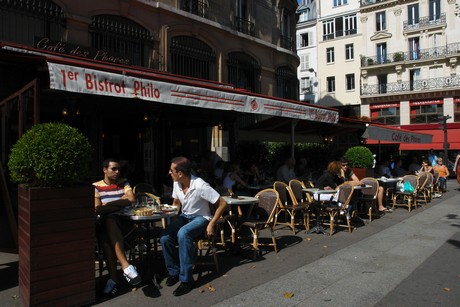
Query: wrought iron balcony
column 244, row 26
column 425, row 22
column 370, row 2
column 424, row 85
column 197, row 7
column 423, row 54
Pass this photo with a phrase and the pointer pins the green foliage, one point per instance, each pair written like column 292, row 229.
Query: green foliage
column 49, row 155
column 360, row 157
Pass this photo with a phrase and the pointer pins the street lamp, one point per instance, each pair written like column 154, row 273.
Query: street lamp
column 444, row 128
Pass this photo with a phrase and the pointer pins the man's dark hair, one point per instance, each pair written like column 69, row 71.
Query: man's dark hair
column 107, row 161
column 183, row 165
column 343, row 160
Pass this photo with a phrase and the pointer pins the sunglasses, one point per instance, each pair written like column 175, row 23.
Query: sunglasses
column 115, row 169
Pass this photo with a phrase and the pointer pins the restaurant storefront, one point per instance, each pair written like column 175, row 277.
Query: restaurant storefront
column 142, row 116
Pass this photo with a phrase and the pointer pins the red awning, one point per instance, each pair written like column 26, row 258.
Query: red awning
column 453, row 138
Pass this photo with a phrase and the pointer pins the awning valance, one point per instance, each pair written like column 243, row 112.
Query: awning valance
column 76, row 75
column 395, row 135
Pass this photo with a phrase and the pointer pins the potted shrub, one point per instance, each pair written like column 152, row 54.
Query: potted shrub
column 398, row 56
column 55, row 216
column 361, row 160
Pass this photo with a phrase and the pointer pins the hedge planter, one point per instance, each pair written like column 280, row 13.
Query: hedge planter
column 56, row 246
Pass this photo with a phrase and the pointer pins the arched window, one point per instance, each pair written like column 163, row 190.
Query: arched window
column 23, row 20
column 287, row 84
column 243, row 71
column 124, row 37
column 192, row 57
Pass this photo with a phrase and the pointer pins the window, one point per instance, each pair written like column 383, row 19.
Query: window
column 350, row 25
column 197, row 7
column 287, row 83
column 243, row 71
column 328, row 29
column 382, row 81
column 122, row 36
column 191, row 57
column 285, row 22
column 242, row 20
column 382, row 53
column 414, row 48
column 385, row 114
column 330, row 55
column 349, row 52
column 414, row 79
column 330, row 84
column 435, row 10
column 22, row 21
column 425, row 112
column 340, row 2
column 380, row 19
column 340, row 26
column 412, row 15
column 305, row 39
column 305, row 84
column 350, row 82
column 304, row 62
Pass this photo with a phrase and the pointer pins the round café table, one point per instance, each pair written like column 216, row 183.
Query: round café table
column 316, row 196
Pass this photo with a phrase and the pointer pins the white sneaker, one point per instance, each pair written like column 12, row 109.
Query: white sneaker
column 131, row 275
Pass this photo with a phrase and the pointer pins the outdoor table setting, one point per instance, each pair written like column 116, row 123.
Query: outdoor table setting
column 242, row 201
column 389, row 185
column 146, row 216
column 318, row 228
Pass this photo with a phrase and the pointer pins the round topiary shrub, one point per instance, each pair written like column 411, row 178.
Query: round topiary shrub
column 359, row 157
column 50, row 155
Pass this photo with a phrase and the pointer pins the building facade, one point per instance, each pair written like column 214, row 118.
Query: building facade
column 390, row 61
column 146, row 80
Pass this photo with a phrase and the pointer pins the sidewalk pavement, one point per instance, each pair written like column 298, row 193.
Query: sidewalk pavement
column 404, row 259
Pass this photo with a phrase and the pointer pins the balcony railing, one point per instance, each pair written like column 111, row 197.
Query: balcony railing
column 411, row 86
column 425, row 22
column 423, row 54
column 199, row 7
column 244, row 26
column 370, row 2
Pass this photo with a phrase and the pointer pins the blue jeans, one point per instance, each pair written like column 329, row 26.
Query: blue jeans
column 183, row 231
column 442, row 183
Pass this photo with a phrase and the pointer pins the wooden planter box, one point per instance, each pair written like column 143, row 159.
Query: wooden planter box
column 56, row 246
column 363, row 172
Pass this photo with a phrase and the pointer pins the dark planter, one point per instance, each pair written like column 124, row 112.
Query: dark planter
column 56, row 246
column 363, row 172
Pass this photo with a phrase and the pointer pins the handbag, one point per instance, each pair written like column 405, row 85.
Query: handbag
column 408, row 187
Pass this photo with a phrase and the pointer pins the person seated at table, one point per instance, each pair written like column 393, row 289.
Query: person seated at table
column 108, row 191
column 285, row 172
column 192, row 195
column 414, row 167
column 383, row 169
column 330, row 179
column 219, row 172
column 347, row 173
column 232, row 178
column 443, row 173
column 398, row 170
column 254, row 176
column 426, row 167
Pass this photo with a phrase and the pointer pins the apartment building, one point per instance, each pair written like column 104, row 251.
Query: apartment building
column 392, row 61
column 409, row 70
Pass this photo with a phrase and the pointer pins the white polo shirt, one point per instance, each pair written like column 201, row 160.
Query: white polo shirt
column 196, row 201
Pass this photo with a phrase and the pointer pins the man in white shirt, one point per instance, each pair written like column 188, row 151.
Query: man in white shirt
column 192, row 195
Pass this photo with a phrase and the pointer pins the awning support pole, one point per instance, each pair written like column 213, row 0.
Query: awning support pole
column 293, row 124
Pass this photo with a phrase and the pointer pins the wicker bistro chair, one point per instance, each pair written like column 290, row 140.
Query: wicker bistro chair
column 266, row 210
column 299, row 201
column 286, row 206
column 429, row 186
column 367, row 200
column 342, row 205
column 421, row 193
column 406, row 199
